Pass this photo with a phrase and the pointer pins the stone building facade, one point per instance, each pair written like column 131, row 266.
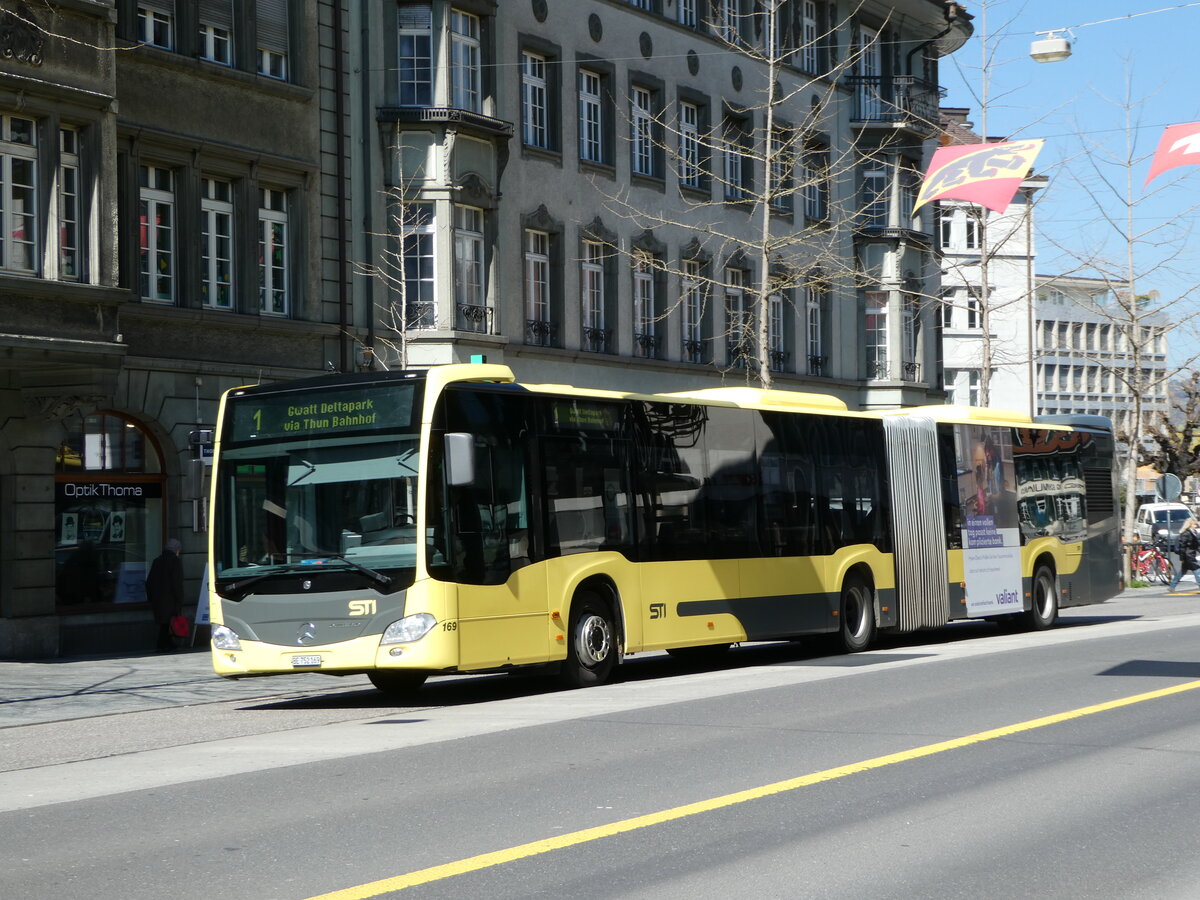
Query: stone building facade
column 206, row 194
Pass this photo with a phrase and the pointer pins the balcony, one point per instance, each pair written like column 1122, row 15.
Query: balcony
column 895, row 101
column 447, row 117
column 474, row 318
column 645, row 345
column 420, row 315
column 817, row 365
column 693, row 351
column 540, row 333
column 597, row 340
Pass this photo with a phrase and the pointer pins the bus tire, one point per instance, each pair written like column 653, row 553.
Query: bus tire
column 857, row 614
column 397, row 683
column 1044, row 610
column 592, row 647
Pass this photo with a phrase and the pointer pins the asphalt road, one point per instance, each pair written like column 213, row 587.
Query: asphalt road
column 970, row 762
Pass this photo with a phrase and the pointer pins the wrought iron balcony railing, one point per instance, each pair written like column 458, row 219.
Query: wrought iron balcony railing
column 693, row 351
column 910, row 371
column 540, row 333
column 597, row 340
column 777, row 359
column 645, row 345
column 474, row 318
column 878, row 370
column 896, row 100
column 817, row 364
column 420, row 315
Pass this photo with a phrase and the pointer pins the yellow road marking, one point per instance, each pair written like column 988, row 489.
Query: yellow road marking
column 534, row 848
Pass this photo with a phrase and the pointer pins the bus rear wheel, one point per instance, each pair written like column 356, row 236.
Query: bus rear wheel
column 857, row 614
column 397, row 684
column 1044, row 611
column 592, row 652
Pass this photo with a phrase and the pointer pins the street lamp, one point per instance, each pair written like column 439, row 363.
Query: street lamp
column 1051, row 48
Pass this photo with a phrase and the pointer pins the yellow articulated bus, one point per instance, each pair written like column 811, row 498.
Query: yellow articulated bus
column 411, row 524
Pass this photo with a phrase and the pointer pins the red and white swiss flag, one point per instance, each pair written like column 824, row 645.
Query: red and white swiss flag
column 1179, row 146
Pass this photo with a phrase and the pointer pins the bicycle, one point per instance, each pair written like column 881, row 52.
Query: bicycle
column 1151, row 564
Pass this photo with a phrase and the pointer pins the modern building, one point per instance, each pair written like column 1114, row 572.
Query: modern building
column 201, row 195
column 973, row 239
column 1090, row 359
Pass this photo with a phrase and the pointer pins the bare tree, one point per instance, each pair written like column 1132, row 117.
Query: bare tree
column 1173, row 437
column 1128, row 251
column 779, row 177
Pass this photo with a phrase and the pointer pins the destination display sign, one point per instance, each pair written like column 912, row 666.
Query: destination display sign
column 294, row 414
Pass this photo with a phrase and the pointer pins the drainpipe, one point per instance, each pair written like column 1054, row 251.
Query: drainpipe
column 340, row 169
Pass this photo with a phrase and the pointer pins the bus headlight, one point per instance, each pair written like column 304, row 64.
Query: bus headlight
column 408, row 629
column 225, row 638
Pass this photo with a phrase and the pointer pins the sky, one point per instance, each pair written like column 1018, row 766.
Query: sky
column 1142, row 53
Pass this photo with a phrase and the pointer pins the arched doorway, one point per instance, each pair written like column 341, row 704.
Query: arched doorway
column 108, row 513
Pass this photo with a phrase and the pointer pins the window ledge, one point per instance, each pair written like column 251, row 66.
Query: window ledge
column 551, row 156
column 653, row 182
column 586, row 165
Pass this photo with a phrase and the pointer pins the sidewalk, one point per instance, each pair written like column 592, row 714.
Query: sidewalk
column 74, row 688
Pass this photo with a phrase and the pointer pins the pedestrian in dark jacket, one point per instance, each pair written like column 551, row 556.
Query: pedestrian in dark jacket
column 1189, row 553
column 164, row 590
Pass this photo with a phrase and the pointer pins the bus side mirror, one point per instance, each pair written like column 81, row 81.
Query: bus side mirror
column 460, row 458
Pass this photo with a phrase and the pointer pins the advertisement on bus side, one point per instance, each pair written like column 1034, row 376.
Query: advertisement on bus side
column 991, row 536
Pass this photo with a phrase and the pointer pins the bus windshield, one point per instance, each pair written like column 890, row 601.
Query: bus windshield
column 317, row 501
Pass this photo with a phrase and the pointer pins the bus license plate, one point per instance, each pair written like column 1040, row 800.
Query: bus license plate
column 300, row 662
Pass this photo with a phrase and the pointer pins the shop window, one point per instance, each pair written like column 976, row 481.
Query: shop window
column 108, row 512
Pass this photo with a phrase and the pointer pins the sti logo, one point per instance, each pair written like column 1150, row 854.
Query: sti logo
column 658, row 610
column 362, row 607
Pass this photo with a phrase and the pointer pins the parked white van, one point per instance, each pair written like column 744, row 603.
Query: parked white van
column 1160, row 520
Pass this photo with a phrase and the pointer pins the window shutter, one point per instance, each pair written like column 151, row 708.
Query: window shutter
column 272, row 25
column 218, row 13
column 166, row 7
column 416, row 16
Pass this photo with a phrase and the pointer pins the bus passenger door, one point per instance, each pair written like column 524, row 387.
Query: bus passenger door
column 502, row 610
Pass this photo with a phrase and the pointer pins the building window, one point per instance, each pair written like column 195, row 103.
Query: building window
column 814, row 328
column 781, row 154
column 740, row 328
column 815, row 189
column 945, row 225
column 415, row 54
column 156, row 23
column 273, row 250
column 534, row 96
column 690, row 172
column 876, row 336
column 947, row 301
column 591, row 117
column 69, row 211
column 539, row 328
column 156, row 219
column 776, row 335
column 971, row 239
column 973, row 304
column 18, row 194
column 809, row 59
column 911, row 323
column 468, row 268
column 910, row 185
column 645, row 338
column 737, row 162
column 693, row 311
column 272, row 22
column 595, row 336
column 641, row 124
column 724, row 20
column 216, row 243
column 874, row 198
column 216, row 31
column 464, row 62
column 686, row 12
column 417, row 262
column 108, row 512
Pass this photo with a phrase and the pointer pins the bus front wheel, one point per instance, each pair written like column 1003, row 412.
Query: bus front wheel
column 397, row 684
column 857, row 614
column 1044, row 611
column 592, row 653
